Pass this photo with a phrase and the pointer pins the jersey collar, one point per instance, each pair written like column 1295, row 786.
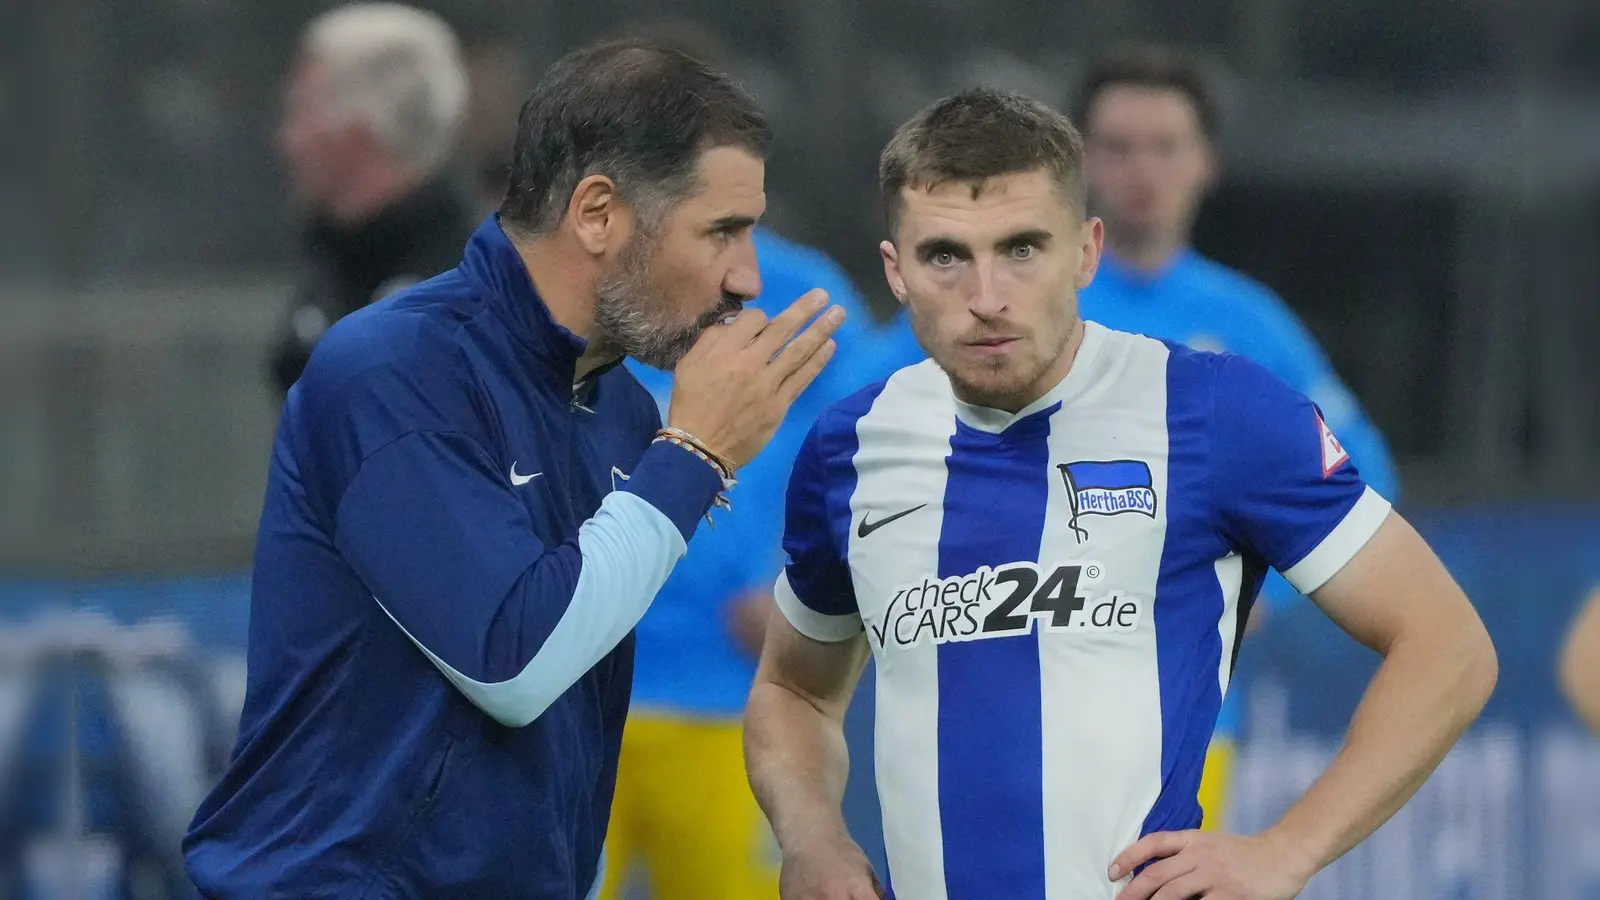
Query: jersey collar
column 1069, row 388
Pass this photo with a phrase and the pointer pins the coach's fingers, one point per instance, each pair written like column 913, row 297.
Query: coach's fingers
column 788, row 323
column 790, row 389
column 799, row 350
column 1155, row 877
column 1151, row 846
column 743, row 329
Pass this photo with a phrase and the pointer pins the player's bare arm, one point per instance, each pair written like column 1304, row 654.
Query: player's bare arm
column 797, row 760
column 1579, row 671
column 1439, row 667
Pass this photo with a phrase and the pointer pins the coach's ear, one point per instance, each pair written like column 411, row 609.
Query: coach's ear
column 891, row 271
column 597, row 216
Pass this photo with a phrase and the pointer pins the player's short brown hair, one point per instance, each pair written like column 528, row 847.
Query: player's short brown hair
column 977, row 135
column 1149, row 66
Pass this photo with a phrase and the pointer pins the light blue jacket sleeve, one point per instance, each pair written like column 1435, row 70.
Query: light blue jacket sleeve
column 450, row 554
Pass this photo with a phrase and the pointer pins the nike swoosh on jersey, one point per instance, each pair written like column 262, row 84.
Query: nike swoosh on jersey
column 520, row 480
column 867, row 528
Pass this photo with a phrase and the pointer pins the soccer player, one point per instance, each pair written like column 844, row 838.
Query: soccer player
column 1048, row 536
column 470, row 505
column 1149, row 120
column 1580, row 663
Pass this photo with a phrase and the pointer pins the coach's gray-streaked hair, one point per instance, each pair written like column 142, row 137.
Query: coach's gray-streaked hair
column 399, row 69
column 638, row 113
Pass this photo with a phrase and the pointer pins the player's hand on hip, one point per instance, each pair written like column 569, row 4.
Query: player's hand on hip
column 1212, row 865
column 834, row 871
column 733, row 388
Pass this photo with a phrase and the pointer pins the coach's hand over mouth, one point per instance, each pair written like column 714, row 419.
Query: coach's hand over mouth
column 733, row 388
column 1211, row 865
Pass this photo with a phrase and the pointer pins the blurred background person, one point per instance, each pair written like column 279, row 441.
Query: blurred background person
column 1150, row 118
column 1580, row 663
column 684, row 817
column 373, row 110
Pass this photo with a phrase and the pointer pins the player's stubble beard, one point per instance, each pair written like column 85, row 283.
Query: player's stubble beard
column 634, row 312
column 1000, row 383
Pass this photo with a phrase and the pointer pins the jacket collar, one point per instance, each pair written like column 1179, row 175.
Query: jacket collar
column 495, row 267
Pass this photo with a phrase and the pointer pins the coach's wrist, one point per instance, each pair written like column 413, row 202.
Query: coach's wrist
column 676, row 482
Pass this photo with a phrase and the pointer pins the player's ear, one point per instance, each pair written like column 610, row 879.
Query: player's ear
column 1094, row 235
column 891, row 270
column 597, row 216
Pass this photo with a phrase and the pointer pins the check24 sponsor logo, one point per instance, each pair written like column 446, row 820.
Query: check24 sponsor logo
column 1004, row 601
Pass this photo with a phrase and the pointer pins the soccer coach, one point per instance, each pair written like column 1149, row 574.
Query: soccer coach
column 470, row 505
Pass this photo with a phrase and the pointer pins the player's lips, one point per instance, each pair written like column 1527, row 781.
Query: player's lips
column 992, row 346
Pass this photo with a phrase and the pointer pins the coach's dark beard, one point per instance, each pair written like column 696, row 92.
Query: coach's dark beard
column 631, row 310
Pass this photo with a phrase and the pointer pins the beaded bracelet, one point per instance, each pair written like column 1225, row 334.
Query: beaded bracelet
column 690, row 442
column 680, row 438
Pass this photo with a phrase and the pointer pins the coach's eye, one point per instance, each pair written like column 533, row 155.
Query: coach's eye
column 943, row 259
column 1024, row 251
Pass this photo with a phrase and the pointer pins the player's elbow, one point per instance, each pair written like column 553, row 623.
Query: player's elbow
column 1477, row 664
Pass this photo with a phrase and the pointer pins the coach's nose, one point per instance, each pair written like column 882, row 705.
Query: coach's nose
column 743, row 278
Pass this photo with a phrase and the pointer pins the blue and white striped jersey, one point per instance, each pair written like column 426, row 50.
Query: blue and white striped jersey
column 1054, row 597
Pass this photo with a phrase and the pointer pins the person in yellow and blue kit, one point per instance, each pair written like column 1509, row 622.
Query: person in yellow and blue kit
column 684, row 812
column 1149, row 120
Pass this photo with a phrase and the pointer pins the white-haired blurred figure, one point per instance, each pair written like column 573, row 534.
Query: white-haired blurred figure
column 373, row 110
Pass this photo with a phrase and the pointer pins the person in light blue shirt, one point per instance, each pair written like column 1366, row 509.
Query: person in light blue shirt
column 1149, row 122
column 697, row 646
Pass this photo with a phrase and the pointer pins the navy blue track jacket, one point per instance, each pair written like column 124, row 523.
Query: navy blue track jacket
column 455, row 545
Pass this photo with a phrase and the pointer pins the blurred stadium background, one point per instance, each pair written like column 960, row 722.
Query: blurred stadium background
column 1420, row 181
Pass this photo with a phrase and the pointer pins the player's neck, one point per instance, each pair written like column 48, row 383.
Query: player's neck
column 567, row 286
column 1148, row 254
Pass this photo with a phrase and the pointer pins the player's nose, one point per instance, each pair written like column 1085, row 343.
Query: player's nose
column 985, row 300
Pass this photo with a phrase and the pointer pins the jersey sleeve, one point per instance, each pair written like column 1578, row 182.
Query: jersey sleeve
column 1295, row 356
column 814, row 590
column 1284, row 488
